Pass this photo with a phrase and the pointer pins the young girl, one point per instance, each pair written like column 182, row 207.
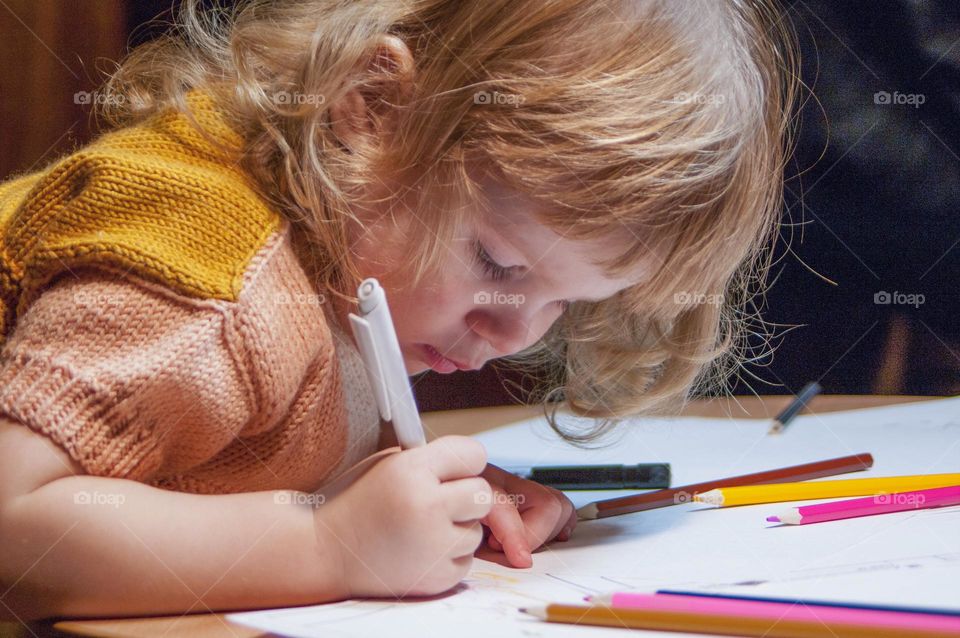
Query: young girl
column 586, row 185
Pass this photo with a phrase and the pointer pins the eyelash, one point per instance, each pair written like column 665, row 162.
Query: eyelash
column 497, row 272
column 494, row 270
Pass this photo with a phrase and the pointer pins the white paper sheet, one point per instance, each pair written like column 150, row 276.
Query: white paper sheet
column 908, row 558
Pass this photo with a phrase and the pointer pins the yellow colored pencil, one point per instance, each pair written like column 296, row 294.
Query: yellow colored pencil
column 725, row 624
column 809, row 490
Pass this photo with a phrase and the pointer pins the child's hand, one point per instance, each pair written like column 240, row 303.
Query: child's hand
column 525, row 515
column 410, row 524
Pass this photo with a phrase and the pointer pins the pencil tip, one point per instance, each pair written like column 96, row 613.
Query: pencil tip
column 602, row 599
column 588, row 512
column 539, row 612
column 773, row 519
column 710, row 497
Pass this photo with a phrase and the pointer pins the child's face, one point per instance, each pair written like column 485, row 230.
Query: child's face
column 465, row 313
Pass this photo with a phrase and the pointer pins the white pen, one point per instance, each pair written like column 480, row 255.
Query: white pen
column 377, row 341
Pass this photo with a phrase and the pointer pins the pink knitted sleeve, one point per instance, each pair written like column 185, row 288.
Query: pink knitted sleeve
column 126, row 376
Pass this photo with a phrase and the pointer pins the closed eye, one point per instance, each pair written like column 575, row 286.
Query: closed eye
column 494, row 270
column 500, row 273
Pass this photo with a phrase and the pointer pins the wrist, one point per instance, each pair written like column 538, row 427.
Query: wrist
column 332, row 550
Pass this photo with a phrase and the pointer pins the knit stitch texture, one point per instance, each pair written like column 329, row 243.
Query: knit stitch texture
column 156, row 322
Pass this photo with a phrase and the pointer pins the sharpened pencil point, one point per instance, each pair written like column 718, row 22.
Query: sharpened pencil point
column 710, row 497
column 588, row 512
column 773, row 519
column 539, row 612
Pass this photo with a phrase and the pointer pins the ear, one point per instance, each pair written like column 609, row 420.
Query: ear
column 366, row 113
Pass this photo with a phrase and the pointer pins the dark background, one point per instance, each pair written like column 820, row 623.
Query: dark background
column 873, row 191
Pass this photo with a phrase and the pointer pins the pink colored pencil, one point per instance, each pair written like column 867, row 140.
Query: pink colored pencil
column 918, row 623
column 870, row 505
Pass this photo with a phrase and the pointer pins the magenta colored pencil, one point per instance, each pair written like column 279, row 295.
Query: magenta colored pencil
column 917, row 623
column 870, row 505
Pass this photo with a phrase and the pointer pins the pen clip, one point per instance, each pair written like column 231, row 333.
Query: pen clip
column 368, row 350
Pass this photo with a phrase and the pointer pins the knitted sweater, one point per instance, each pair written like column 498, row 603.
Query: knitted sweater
column 158, row 325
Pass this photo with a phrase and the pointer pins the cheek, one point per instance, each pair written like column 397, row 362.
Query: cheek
column 432, row 311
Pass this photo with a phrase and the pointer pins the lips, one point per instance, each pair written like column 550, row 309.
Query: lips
column 439, row 362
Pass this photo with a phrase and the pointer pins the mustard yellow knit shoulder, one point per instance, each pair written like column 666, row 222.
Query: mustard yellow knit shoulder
column 157, row 199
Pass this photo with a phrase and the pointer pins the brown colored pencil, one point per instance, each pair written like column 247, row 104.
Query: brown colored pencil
column 684, row 494
column 724, row 624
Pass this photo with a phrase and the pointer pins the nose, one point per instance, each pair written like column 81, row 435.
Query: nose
column 509, row 330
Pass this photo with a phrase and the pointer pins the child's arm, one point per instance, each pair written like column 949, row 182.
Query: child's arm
column 79, row 545
column 407, row 526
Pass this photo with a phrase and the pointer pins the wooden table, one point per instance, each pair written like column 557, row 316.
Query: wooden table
column 437, row 424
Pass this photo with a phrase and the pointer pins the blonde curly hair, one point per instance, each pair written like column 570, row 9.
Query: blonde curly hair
column 645, row 120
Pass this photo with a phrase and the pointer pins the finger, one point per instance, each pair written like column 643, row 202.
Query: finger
column 494, row 544
column 454, row 457
column 567, row 530
column 463, row 563
column 545, row 510
column 566, row 511
column 505, row 523
column 540, row 513
column 468, row 539
column 467, row 499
